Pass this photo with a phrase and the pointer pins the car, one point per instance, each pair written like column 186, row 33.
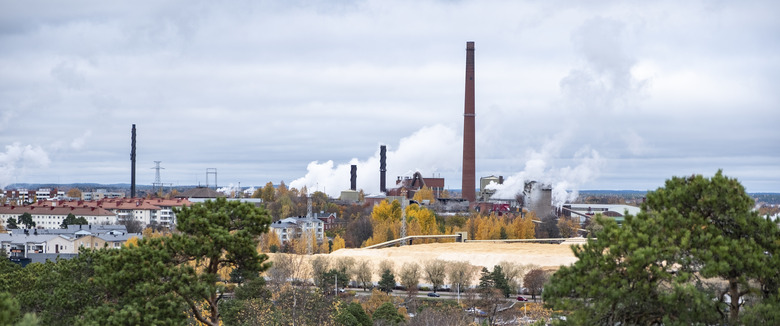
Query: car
column 433, row 295
column 476, row 311
column 519, row 298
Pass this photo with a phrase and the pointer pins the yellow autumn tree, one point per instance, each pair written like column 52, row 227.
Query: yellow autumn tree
column 424, row 217
column 424, row 193
column 483, row 228
column 274, row 242
column 386, row 220
column 338, row 243
column 324, row 247
column 133, row 241
column 444, row 194
column 386, row 211
column 383, row 231
column 528, row 231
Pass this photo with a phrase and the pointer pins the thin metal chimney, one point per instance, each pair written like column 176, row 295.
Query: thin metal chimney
column 132, row 164
column 353, row 178
column 382, row 167
column 469, row 165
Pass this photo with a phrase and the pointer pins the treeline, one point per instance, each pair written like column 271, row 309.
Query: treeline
column 309, row 280
column 170, row 279
column 183, row 278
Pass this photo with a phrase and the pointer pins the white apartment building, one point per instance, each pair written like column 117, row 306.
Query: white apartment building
column 51, row 217
column 296, row 226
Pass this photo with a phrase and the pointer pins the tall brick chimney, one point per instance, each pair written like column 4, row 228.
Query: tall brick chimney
column 469, row 164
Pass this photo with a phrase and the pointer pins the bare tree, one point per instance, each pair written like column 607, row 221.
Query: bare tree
column 534, row 281
column 132, row 225
column 363, row 273
column 319, row 266
column 489, row 301
column 383, row 265
column 513, row 272
column 460, row 274
column 360, row 229
column 345, row 265
column 434, row 272
column 568, row 227
column 524, row 269
column 410, row 277
column 281, row 270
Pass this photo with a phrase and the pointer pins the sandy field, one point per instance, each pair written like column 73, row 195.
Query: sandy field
column 548, row 256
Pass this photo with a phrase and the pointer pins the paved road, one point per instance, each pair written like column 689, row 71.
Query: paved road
column 424, row 295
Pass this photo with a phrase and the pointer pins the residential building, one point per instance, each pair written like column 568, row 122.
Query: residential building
column 24, row 243
column 51, row 217
column 147, row 211
column 100, row 194
column 297, row 226
column 330, row 220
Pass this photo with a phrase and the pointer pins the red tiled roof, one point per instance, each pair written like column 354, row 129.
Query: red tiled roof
column 33, row 210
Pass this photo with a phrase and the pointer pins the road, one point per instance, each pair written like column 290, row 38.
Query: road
column 424, row 295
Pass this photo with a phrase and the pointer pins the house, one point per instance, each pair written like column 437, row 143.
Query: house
column 25, row 243
column 329, row 220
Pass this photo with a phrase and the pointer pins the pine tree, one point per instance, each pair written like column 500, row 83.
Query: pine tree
column 659, row 267
column 387, row 281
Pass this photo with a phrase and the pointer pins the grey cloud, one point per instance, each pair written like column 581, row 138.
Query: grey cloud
column 261, row 89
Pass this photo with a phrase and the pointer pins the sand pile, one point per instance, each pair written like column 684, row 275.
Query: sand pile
column 548, row 256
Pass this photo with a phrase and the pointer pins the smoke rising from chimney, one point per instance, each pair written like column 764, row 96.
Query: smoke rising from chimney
column 565, row 181
column 433, row 149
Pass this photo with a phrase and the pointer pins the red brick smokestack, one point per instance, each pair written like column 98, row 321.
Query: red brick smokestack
column 469, row 165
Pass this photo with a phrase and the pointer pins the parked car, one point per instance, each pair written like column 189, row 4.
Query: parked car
column 519, row 298
column 476, row 311
column 433, row 294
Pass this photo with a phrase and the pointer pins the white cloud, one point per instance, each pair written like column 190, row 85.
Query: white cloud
column 258, row 89
column 18, row 159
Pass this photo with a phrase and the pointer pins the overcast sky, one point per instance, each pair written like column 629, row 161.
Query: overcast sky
column 604, row 95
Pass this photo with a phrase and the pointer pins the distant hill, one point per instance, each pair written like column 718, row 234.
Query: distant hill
column 601, row 196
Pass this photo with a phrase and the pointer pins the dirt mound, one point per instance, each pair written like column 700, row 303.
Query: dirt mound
column 548, row 256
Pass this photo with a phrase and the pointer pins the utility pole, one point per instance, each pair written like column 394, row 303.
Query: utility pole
column 309, row 216
column 157, row 182
column 403, row 216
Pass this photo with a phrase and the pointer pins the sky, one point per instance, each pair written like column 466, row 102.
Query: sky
column 610, row 95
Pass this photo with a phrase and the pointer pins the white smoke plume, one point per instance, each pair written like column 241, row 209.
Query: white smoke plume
column 17, row 159
column 430, row 150
column 565, row 181
column 234, row 189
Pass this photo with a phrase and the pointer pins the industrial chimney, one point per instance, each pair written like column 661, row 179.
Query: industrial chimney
column 469, row 173
column 382, row 167
column 132, row 163
column 353, row 178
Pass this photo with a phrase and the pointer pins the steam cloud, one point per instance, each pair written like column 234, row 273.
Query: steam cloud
column 433, row 149
column 565, row 181
column 17, row 159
